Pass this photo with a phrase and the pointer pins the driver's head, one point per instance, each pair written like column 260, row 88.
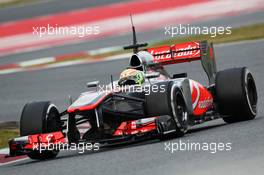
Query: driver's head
column 131, row 77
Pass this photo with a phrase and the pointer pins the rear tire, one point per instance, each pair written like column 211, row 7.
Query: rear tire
column 40, row 117
column 236, row 94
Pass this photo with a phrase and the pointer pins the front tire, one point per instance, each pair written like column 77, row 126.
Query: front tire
column 179, row 112
column 40, row 117
column 236, row 94
column 171, row 103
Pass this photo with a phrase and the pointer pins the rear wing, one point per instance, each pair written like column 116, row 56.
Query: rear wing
column 176, row 53
column 187, row 52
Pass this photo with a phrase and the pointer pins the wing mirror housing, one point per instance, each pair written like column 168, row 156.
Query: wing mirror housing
column 92, row 84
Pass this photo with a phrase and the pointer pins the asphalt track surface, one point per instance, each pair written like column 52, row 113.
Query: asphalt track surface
column 57, row 83
column 47, row 7
column 126, row 39
column 246, row 138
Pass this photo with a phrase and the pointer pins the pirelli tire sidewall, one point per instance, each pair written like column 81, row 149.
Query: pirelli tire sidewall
column 236, row 94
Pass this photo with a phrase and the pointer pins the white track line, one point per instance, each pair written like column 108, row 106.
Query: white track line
column 14, row 161
column 37, row 61
column 110, row 58
column 6, row 151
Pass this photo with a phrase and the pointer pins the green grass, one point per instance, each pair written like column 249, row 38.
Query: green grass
column 6, row 134
column 11, row 3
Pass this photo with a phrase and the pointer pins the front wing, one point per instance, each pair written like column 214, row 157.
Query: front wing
column 127, row 132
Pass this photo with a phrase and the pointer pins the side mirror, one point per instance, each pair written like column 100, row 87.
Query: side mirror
column 152, row 75
column 92, row 84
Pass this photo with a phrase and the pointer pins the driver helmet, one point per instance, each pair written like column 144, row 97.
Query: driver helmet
column 131, row 77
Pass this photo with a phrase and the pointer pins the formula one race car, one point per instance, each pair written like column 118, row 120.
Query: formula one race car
column 145, row 103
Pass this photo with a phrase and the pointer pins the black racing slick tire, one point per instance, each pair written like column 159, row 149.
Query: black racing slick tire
column 40, row 117
column 179, row 112
column 170, row 102
column 236, row 94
